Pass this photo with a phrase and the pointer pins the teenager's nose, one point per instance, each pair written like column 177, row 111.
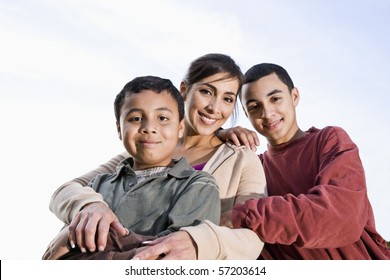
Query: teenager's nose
column 268, row 112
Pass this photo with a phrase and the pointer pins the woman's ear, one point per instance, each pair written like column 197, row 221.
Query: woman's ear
column 183, row 89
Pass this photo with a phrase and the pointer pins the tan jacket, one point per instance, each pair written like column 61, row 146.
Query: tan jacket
column 239, row 175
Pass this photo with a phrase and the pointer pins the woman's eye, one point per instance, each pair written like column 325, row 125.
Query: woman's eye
column 229, row 100
column 205, row 91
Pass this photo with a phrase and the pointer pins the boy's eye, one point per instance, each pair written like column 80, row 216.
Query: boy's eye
column 135, row 119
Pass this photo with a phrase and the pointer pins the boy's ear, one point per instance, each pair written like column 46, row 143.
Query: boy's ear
column 295, row 96
column 183, row 89
column 118, row 129
column 181, row 128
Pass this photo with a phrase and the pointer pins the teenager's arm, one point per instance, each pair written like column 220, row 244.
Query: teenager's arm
column 332, row 214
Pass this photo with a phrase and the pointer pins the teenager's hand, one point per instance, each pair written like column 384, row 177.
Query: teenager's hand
column 175, row 246
column 94, row 220
column 239, row 136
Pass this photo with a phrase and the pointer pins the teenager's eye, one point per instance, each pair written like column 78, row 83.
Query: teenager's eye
column 275, row 98
column 163, row 118
column 252, row 107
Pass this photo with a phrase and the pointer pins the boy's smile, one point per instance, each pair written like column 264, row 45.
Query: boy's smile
column 150, row 128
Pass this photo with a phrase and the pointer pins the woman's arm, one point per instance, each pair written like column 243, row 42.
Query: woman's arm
column 210, row 241
column 71, row 197
column 88, row 216
column 244, row 179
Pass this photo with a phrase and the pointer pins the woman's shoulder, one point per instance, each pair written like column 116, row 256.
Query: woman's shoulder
column 241, row 151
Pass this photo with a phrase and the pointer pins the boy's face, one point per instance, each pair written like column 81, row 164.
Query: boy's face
column 270, row 107
column 149, row 128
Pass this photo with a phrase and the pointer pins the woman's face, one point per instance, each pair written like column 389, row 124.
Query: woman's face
column 209, row 103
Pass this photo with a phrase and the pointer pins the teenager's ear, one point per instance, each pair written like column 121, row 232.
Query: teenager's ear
column 181, row 129
column 183, row 89
column 118, row 129
column 295, row 96
column 243, row 108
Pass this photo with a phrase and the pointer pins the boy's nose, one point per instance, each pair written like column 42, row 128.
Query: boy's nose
column 148, row 127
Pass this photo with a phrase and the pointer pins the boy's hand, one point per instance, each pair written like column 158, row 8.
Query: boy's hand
column 94, row 220
column 239, row 136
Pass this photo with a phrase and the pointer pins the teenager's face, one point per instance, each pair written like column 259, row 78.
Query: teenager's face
column 149, row 128
column 270, row 107
column 209, row 103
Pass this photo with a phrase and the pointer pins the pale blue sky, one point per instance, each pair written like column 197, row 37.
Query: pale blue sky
column 63, row 62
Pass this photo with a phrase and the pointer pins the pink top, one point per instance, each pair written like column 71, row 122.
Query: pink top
column 199, row 166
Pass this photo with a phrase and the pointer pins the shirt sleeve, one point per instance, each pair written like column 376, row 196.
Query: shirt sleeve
column 330, row 214
column 70, row 197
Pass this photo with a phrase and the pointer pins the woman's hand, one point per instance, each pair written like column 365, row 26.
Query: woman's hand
column 90, row 227
column 175, row 246
column 239, row 136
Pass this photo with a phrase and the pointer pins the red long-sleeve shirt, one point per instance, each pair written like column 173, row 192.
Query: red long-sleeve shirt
column 318, row 206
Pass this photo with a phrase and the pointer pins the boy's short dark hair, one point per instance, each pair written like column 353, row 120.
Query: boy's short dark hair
column 152, row 83
column 264, row 69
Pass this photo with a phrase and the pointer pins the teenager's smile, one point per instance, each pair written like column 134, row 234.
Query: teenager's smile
column 272, row 125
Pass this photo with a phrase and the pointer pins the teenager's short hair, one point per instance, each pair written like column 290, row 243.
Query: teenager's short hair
column 261, row 70
column 211, row 64
column 152, row 83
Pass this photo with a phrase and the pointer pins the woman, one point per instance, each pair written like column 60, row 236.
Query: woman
column 210, row 90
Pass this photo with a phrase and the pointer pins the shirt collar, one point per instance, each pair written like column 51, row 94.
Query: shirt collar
column 181, row 169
